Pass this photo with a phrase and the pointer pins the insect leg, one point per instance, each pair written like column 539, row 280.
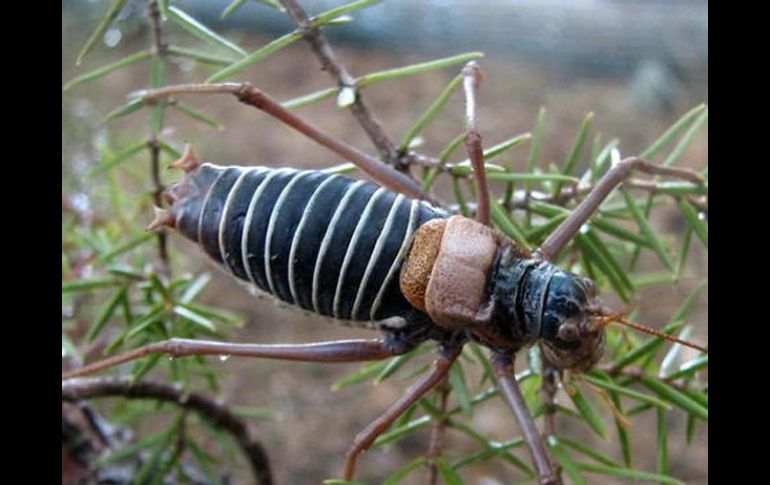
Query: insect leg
column 472, row 77
column 334, row 351
column 504, row 369
column 563, row 234
column 247, row 94
column 364, row 439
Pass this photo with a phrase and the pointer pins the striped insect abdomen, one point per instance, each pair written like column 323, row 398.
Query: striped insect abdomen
column 323, row 242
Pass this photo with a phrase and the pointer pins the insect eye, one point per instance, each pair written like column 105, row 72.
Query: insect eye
column 568, row 332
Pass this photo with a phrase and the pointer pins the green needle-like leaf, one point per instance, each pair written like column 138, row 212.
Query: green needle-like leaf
column 151, row 464
column 68, row 349
column 639, row 396
column 86, row 285
column 101, row 28
column 459, row 197
column 507, row 225
column 587, row 451
column 694, row 221
column 679, row 189
column 673, row 133
column 565, row 461
column 595, row 256
column 254, row 57
column 104, row 70
column 538, row 234
column 128, row 246
column 215, row 314
column 198, row 116
column 431, row 113
column 460, row 389
column 627, row 473
column 497, row 150
column 537, row 138
column 676, row 397
column 405, row 471
column 232, row 7
column 202, row 32
column 691, row 426
column 342, row 9
column 648, row 232
column 448, row 474
column 105, row 314
column 690, row 367
column 398, row 432
column 413, row 69
column 115, row 160
column 144, row 366
column 575, row 152
column 126, row 109
column 199, row 56
column 155, row 314
column 602, row 161
column 129, row 450
column 368, row 372
column 587, row 411
column 310, row 98
column 662, row 429
column 195, row 318
column 607, row 256
column 613, row 229
column 687, row 139
column 530, row 177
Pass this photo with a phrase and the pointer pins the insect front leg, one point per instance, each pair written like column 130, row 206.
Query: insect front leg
column 446, row 357
column 334, row 351
column 504, row 368
column 563, row 234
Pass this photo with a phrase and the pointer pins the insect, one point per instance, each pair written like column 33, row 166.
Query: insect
column 377, row 256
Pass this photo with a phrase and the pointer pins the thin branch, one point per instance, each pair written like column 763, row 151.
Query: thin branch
column 216, row 413
column 157, row 49
column 337, row 70
column 438, row 431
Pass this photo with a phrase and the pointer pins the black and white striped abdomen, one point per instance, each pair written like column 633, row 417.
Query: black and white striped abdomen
column 324, row 242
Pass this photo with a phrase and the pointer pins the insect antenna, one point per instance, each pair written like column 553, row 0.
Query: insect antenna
column 604, row 320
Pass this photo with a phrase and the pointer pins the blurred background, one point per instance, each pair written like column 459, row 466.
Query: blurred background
column 637, row 65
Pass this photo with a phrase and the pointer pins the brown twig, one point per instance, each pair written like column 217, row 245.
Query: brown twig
column 157, row 49
column 216, row 413
column 337, row 70
column 438, row 431
column 549, row 390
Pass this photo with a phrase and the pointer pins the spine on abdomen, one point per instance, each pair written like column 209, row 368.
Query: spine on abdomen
column 324, row 242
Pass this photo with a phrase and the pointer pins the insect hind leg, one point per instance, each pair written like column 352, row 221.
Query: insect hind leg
column 335, row 351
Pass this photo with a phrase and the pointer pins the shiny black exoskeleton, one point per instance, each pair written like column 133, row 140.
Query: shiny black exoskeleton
column 536, row 301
